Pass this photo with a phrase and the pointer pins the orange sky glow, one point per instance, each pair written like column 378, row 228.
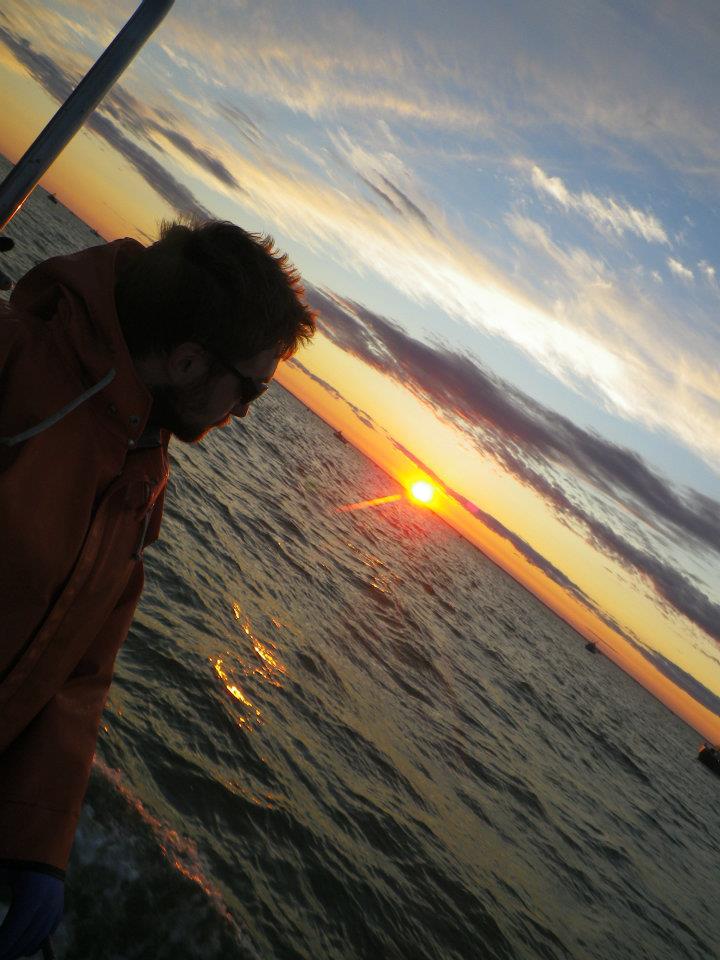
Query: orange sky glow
column 589, row 626
column 105, row 191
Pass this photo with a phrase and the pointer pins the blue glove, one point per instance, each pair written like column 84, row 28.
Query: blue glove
column 34, row 914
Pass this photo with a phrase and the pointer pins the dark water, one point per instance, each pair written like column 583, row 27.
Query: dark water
column 349, row 735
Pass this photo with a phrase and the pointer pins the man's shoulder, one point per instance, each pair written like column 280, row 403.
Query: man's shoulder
column 15, row 333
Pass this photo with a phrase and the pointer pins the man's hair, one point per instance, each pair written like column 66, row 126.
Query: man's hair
column 212, row 283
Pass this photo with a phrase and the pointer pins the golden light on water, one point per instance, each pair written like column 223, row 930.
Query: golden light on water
column 232, row 688
column 238, row 668
column 264, row 653
column 422, row 491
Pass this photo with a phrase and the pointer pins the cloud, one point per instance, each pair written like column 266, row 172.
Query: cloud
column 532, row 441
column 709, row 272
column 381, row 194
column 203, row 158
column 177, row 195
column 675, row 589
column 478, row 396
column 362, row 415
column 624, row 350
column 663, row 376
column 680, row 270
column 606, row 214
column 241, row 121
column 575, row 263
column 475, row 72
column 59, row 83
column 606, row 83
column 398, row 201
column 380, row 171
column 505, row 69
column 691, row 685
column 128, row 114
column 407, row 205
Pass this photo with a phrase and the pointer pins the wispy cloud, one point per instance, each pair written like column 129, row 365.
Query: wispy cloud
column 241, row 121
column 628, row 348
column 575, row 263
column 382, row 171
column 408, row 206
column 663, row 375
column 680, row 270
column 709, row 272
column 482, row 75
column 337, row 63
column 606, row 213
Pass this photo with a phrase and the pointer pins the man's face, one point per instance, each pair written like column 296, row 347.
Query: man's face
column 194, row 402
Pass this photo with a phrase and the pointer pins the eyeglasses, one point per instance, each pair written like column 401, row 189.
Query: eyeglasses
column 249, row 389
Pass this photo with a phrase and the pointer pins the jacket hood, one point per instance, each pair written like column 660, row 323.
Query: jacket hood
column 75, row 295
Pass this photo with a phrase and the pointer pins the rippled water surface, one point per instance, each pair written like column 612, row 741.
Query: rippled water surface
column 349, row 735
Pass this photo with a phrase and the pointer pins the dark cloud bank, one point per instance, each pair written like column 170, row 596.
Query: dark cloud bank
column 529, row 440
column 682, row 679
column 399, row 202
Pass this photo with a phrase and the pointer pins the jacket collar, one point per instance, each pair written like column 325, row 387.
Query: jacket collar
column 77, row 295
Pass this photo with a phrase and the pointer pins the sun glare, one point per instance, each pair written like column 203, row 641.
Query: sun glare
column 422, row 491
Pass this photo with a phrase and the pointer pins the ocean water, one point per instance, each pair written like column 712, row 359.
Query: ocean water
column 350, row 735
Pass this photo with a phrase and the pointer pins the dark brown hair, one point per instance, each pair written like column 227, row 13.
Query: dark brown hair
column 215, row 284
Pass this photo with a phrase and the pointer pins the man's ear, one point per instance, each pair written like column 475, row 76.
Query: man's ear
column 187, row 363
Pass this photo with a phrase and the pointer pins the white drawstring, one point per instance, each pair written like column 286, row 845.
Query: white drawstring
column 56, row 417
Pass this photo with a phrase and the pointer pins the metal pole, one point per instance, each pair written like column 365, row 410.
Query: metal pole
column 20, row 182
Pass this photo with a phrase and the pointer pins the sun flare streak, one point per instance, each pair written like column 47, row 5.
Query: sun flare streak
column 364, row 504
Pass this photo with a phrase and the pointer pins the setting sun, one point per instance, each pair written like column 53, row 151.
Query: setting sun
column 422, row 491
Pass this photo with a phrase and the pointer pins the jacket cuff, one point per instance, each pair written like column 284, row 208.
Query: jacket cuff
column 35, row 835
column 34, row 866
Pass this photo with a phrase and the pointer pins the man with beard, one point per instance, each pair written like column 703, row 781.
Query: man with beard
column 104, row 355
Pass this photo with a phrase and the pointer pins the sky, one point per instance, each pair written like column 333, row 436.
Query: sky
column 506, row 216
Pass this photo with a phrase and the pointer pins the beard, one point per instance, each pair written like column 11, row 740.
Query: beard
column 172, row 410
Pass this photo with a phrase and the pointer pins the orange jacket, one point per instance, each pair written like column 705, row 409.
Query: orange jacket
column 81, row 491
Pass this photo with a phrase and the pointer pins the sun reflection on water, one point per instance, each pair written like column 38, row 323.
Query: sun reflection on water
column 267, row 667
column 237, row 693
